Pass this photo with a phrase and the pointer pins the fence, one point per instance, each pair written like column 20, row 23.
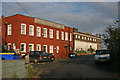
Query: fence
column 13, row 69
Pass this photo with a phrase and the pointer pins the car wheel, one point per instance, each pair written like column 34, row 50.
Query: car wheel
column 35, row 61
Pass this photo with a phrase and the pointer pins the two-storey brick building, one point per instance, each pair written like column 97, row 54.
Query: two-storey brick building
column 26, row 34
column 83, row 41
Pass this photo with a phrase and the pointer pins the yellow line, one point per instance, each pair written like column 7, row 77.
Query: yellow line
column 7, row 53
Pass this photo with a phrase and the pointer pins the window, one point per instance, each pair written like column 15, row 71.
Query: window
column 23, row 47
column 45, row 32
column 51, row 49
column 70, row 48
column 10, row 29
column 62, row 35
column 82, row 37
column 79, row 37
column 38, row 47
column 88, row 38
column 38, row 32
column 45, row 48
column 50, row 33
column 95, row 39
column 57, row 34
column 23, row 29
column 31, row 30
column 76, row 36
column 9, row 46
column 85, row 38
column 31, row 47
column 70, row 37
column 66, row 36
column 14, row 46
column 57, row 49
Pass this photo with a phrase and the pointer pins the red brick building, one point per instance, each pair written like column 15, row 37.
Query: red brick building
column 26, row 34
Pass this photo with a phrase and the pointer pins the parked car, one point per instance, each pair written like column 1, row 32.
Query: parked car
column 37, row 56
column 102, row 55
column 72, row 55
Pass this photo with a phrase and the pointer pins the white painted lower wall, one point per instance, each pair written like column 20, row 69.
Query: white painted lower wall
column 84, row 45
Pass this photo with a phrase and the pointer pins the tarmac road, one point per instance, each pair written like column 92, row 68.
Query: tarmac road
column 81, row 67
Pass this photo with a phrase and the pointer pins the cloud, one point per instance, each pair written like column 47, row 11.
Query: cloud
column 87, row 16
column 61, row 0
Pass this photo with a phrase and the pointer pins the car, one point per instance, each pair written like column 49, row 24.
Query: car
column 102, row 55
column 38, row 56
column 72, row 55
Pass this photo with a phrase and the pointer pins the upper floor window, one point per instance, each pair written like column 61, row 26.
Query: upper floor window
column 66, row 36
column 50, row 33
column 31, row 30
column 70, row 37
column 10, row 29
column 85, row 38
column 88, row 38
column 62, row 35
column 23, row 29
column 57, row 34
column 45, row 32
column 14, row 45
column 95, row 39
column 38, row 32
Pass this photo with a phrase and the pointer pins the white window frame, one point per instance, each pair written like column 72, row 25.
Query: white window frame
column 24, row 47
column 62, row 35
column 31, row 28
column 9, row 45
column 10, row 29
column 57, row 34
column 39, row 47
column 51, row 49
column 14, row 45
column 70, row 48
column 45, row 33
column 57, row 47
column 76, row 36
column 51, row 33
column 46, row 47
column 23, row 32
column 88, row 38
column 32, row 47
column 38, row 32
column 66, row 36
column 85, row 38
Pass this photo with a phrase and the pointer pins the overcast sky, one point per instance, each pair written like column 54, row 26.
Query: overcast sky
column 87, row 16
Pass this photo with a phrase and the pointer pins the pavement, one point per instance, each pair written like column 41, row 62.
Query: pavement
column 81, row 67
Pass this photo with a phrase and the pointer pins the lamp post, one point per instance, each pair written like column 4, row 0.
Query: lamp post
column 5, row 33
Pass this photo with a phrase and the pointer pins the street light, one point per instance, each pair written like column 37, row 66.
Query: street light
column 5, row 33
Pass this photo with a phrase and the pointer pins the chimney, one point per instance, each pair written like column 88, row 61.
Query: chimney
column 89, row 33
column 2, row 17
column 75, row 29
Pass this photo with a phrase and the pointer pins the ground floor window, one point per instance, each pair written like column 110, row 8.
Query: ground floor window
column 9, row 46
column 14, row 46
column 23, row 47
column 45, row 48
column 31, row 47
column 38, row 48
column 51, row 48
column 57, row 49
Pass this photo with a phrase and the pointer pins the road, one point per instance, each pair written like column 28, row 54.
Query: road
column 81, row 67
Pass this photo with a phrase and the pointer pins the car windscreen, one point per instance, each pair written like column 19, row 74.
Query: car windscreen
column 102, row 52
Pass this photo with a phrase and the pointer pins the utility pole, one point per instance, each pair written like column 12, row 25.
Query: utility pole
column 69, row 40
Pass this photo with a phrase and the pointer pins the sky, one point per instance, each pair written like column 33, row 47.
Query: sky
column 88, row 16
